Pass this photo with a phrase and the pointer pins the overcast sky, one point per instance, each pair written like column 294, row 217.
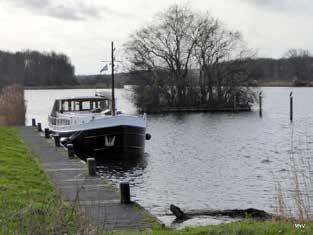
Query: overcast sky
column 84, row 29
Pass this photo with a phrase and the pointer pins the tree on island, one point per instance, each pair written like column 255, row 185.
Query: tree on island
column 188, row 59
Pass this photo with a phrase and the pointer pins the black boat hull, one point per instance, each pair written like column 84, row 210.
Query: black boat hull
column 119, row 142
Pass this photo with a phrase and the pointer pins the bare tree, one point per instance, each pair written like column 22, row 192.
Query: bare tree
column 167, row 46
column 221, row 56
column 177, row 44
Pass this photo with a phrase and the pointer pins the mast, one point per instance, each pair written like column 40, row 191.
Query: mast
column 113, row 94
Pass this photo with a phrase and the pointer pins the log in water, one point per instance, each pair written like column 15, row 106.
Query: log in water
column 236, row 213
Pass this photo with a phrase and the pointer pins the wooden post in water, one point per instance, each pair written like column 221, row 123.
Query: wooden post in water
column 125, row 193
column 70, row 151
column 47, row 133
column 92, row 166
column 291, row 106
column 33, row 122
column 39, row 127
column 260, row 103
column 56, row 140
column 235, row 103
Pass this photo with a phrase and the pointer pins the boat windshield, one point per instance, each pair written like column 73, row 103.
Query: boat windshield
column 91, row 105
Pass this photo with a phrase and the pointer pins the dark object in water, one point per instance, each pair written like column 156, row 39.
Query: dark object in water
column 180, row 215
column 236, row 213
column 148, row 136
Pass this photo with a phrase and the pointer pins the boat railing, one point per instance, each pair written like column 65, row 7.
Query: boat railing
column 67, row 124
column 59, row 123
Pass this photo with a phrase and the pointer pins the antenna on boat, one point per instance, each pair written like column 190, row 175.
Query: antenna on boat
column 113, row 93
column 106, row 68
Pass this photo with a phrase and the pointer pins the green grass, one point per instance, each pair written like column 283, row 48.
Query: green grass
column 245, row 227
column 28, row 203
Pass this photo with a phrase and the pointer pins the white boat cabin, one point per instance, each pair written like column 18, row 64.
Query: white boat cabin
column 83, row 113
column 82, row 105
column 79, row 110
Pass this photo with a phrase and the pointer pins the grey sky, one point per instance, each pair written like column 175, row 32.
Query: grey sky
column 84, row 29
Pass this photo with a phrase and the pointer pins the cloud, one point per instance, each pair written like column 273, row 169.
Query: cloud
column 64, row 10
column 285, row 6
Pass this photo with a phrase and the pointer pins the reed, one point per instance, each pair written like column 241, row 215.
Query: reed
column 295, row 200
column 12, row 105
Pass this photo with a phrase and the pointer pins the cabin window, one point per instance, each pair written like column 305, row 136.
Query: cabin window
column 65, row 106
column 97, row 104
column 86, row 105
column 103, row 105
column 77, row 106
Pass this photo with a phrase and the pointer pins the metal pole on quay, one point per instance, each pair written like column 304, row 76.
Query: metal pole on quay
column 47, row 133
column 70, row 151
column 291, row 106
column 92, row 166
column 56, row 140
column 125, row 193
column 39, row 127
column 33, row 122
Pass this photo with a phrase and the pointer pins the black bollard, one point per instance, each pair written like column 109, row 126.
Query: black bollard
column 39, row 127
column 47, row 133
column 92, row 166
column 33, row 122
column 56, row 140
column 148, row 136
column 291, row 107
column 125, row 193
column 260, row 103
column 70, row 151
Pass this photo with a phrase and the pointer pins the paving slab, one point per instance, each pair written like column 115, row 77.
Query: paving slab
column 96, row 196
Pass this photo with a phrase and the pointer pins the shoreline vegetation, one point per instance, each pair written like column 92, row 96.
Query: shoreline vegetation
column 12, row 105
column 269, row 83
column 28, row 202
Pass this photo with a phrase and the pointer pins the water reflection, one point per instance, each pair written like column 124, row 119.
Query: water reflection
column 118, row 171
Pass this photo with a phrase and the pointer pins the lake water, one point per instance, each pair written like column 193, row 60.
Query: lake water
column 213, row 161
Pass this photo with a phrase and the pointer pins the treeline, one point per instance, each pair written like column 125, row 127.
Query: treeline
column 32, row 68
column 296, row 71
column 296, row 68
column 105, row 81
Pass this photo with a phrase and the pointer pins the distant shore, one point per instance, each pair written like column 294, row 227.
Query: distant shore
column 273, row 83
column 283, row 83
column 67, row 87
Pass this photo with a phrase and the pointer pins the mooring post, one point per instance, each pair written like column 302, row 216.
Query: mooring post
column 92, row 166
column 56, row 140
column 70, row 151
column 39, row 127
column 235, row 104
column 47, row 133
column 125, row 193
column 291, row 106
column 260, row 103
column 33, row 122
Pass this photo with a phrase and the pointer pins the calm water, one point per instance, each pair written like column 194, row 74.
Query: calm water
column 211, row 161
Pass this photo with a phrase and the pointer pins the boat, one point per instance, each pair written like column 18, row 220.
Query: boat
column 96, row 129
